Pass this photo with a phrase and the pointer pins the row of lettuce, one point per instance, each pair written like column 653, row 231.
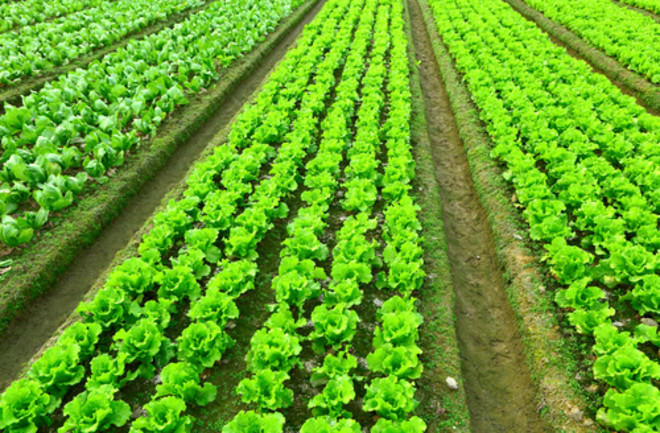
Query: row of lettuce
column 83, row 124
column 649, row 5
column 584, row 162
column 23, row 13
column 627, row 35
column 43, row 46
column 275, row 350
column 200, row 256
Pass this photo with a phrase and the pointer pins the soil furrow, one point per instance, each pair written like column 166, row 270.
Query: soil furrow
column 37, row 323
column 500, row 392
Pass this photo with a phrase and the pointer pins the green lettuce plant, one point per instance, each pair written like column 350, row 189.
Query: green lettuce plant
column 266, row 389
column 337, row 392
column 85, row 335
column 164, row 415
column 24, row 407
column 399, row 361
column 333, row 326
column 58, row 369
column 274, row 349
column 214, row 306
column 253, row 422
column 95, row 410
column 181, row 379
column 330, row 425
column 412, row 425
column 390, row 398
column 203, row 343
column 636, row 409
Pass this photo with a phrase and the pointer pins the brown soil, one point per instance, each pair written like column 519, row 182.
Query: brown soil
column 500, row 391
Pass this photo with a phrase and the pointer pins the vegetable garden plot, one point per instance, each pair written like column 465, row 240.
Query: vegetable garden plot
column 626, row 35
column 23, row 13
column 44, row 46
column 575, row 148
column 80, row 126
column 343, row 92
column 649, row 5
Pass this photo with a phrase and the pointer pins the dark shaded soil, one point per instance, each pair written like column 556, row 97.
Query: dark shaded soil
column 500, row 392
column 37, row 323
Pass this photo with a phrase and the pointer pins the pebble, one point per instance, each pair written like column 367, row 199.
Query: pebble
column 592, row 388
column 517, row 236
column 451, row 383
column 650, row 322
column 575, row 414
column 618, row 324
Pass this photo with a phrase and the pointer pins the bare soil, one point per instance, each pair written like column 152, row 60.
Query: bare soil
column 500, row 391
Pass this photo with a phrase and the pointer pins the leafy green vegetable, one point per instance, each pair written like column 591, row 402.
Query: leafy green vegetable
column 266, row 389
column 94, row 411
column 25, row 406
column 203, row 343
column 181, row 379
column 390, row 398
column 252, row 422
column 163, row 416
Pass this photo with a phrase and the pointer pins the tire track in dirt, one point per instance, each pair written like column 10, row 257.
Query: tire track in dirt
column 500, row 392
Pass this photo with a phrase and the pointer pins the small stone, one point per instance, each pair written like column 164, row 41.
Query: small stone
column 592, row 388
column 378, row 303
column 649, row 322
column 618, row 324
column 451, row 383
column 542, row 289
column 575, row 414
column 517, row 236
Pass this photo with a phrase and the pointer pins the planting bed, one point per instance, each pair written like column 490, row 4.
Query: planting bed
column 330, row 216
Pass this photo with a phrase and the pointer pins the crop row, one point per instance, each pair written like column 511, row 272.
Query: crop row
column 44, row 46
column 180, row 251
column 335, row 320
column 628, row 36
column 85, row 123
column 396, row 352
column 23, row 13
column 274, row 349
column 583, row 160
column 650, row 5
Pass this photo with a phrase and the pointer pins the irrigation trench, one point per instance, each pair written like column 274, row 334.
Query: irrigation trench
column 500, row 392
column 36, row 324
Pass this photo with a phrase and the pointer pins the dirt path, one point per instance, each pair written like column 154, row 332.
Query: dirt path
column 500, row 392
column 37, row 323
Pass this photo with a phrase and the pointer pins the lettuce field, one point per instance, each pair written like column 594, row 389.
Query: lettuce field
column 316, row 216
